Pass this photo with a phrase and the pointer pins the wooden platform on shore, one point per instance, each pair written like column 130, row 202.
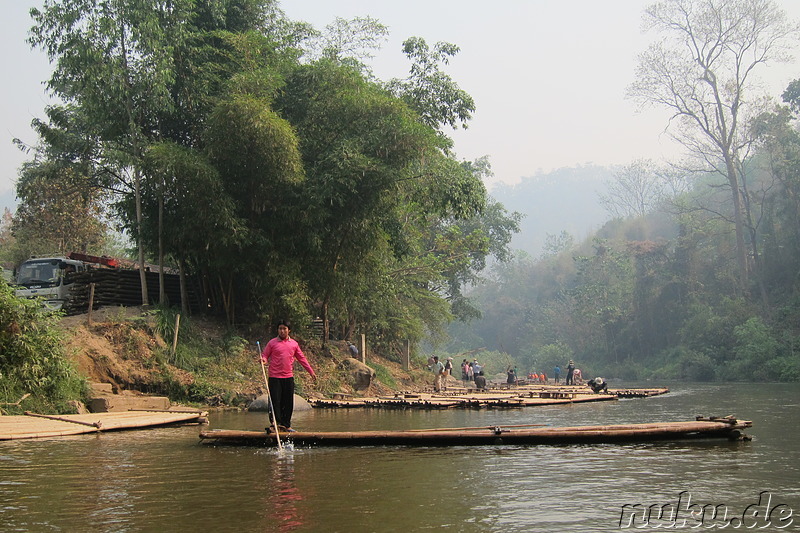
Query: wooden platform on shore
column 33, row 425
column 701, row 428
column 498, row 398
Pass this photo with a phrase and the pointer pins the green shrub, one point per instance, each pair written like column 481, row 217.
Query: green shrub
column 755, row 346
column 382, row 374
column 32, row 360
column 784, row 369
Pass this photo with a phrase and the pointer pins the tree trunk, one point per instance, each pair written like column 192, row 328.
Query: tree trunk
column 351, row 326
column 162, row 291
column 227, row 299
column 137, row 179
column 741, row 249
column 326, row 327
column 185, row 307
column 137, row 173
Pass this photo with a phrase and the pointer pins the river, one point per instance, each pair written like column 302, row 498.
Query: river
column 165, row 480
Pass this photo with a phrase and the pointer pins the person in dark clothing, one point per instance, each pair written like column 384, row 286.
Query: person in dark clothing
column 480, row 381
column 512, row 377
column 570, row 371
column 598, row 385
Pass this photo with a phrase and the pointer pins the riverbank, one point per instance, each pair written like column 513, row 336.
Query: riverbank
column 130, row 350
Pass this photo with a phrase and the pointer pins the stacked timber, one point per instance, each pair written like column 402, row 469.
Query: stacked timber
column 113, row 287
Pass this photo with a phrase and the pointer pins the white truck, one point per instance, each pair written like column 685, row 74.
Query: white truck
column 66, row 282
column 48, row 278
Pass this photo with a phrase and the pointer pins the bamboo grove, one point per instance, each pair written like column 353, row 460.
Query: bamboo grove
column 262, row 157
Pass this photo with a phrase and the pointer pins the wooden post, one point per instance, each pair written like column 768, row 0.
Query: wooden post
column 91, row 305
column 363, row 348
column 175, row 337
column 407, row 355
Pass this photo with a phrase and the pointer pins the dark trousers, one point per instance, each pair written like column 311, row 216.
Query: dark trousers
column 281, row 391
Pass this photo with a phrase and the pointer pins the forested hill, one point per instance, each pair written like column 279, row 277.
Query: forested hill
column 566, row 199
column 656, row 293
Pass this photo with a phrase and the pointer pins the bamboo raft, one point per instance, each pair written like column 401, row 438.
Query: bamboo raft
column 506, row 397
column 33, row 425
column 546, row 390
column 700, row 428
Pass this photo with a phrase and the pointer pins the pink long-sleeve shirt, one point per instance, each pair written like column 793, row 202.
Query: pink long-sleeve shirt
column 280, row 355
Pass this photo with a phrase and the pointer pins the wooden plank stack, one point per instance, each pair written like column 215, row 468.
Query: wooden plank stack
column 114, row 287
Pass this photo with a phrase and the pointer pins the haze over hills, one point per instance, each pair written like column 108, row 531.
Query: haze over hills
column 565, row 199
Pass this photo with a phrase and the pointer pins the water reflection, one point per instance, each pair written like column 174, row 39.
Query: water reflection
column 165, row 480
column 284, row 497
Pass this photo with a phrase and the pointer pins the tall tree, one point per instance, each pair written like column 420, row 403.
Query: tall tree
column 58, row 212
column 634, row 191
column 702, row 71
column 195, row 236
column 359, row 143
column 115, row 60
column 779, row 143
column 257, row 154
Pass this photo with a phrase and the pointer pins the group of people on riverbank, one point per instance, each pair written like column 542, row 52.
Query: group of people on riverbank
column 472, row 371
column 440, row 371
column 537, row 377
column 574, row 375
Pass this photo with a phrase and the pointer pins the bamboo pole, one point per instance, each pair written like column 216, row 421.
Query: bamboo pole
column 477, row 428
column 18, row 401
column 91, row 305
column 175, row 336
column 98, row 425
column 181, row 411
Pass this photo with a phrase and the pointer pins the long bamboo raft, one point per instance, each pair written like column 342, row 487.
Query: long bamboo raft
column 700, row 428
column 494, row 398
column 34, row 425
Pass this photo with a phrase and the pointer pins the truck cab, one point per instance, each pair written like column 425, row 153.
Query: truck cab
column 49, row 278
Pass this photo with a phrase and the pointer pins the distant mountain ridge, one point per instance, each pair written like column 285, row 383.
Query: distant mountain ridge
column 565, row 199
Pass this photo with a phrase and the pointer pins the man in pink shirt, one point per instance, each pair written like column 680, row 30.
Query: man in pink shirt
column 280, row 354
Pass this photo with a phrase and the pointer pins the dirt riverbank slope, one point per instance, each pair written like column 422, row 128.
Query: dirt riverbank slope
column 122, row 347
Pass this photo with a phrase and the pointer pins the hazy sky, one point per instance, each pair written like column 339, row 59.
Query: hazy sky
column 548, row 76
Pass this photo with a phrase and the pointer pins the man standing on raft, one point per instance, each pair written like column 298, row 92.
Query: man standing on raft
column 279, row 354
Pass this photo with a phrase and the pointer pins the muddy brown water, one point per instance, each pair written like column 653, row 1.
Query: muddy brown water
column 165, row 480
